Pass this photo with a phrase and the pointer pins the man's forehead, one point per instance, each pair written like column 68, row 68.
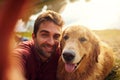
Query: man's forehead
column 45, row 30
column 50, row 27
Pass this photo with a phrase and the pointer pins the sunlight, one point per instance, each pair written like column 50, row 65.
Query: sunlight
column 96, row 14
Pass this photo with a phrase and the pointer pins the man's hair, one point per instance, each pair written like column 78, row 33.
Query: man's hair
column 48, row 16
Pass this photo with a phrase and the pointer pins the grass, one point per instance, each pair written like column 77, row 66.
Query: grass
column 112, row 37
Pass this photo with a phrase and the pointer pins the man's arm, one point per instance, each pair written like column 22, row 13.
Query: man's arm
column 16, row 69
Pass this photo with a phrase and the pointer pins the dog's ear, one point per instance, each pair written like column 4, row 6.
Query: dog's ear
column 61, row 45
column 96, row 46
column 96, row 51
column 62, row 41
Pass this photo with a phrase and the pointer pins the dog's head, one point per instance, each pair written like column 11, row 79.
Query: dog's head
column 79, row 45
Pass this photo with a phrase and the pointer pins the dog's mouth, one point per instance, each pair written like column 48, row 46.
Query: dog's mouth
column 70, row 67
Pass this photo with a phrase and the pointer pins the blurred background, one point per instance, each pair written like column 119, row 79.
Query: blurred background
column 95, row 14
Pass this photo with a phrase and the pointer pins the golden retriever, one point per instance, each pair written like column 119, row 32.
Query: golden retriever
column 84, row 56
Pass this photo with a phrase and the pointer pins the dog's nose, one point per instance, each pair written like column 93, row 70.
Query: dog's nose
column 68, row 55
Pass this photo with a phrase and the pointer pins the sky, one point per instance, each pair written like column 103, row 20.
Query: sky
column 95, row 14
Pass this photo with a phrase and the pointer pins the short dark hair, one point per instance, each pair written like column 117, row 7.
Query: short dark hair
column 48, row 15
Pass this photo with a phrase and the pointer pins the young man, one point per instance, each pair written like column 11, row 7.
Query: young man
column 37, row 59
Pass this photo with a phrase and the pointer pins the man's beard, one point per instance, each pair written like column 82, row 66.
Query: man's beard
column 42, row 52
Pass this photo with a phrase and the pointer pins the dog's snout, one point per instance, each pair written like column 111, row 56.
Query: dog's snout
column 68, row 55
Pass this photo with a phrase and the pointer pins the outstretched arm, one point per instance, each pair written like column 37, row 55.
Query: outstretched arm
column 10, row 12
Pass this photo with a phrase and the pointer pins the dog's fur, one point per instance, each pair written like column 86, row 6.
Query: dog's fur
column 82, row 48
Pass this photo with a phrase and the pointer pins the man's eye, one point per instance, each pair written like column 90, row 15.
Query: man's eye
column 44, row 35
column 56, row 37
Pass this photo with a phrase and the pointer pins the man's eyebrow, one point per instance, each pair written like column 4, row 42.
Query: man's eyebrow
column 58, row 34
column 44, row 31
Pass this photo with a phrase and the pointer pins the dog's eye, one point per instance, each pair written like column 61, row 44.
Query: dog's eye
column 65, row 37
column 82, row 39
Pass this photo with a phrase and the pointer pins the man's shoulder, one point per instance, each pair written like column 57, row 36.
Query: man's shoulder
column 25, row 44
column 24, row 47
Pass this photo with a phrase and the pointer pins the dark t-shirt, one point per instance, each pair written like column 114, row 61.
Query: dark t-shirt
column 30, row 62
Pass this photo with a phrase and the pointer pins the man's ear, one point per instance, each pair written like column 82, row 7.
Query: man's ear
column 33, row 36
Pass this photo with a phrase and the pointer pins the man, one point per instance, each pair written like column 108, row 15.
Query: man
column 37, row 59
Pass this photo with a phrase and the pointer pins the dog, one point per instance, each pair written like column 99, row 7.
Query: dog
column 84, row 56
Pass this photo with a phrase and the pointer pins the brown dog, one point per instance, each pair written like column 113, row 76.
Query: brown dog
column 84, row 56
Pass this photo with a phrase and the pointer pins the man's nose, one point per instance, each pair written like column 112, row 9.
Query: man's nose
column 51, row 41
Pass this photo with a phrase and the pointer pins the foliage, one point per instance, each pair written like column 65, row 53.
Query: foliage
column 25, row 34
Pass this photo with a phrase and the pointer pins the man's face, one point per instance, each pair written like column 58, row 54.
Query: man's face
column 47, row 38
